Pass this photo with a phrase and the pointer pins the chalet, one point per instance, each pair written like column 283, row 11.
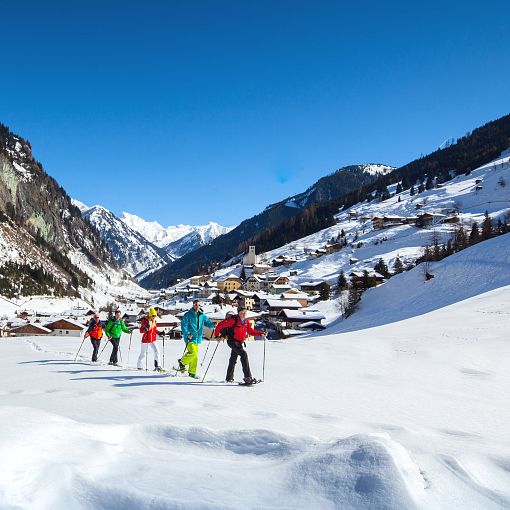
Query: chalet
column 289, row 333
column 30, row 329
column 371, row 279
column 478, row 187
column 311, row 326
column 293, row 318
column 428, row 219
column 311, row 287
column 245, row 299
column 166, row 323
column 65, row 327
column 199, row 280
column 229, row 283
column 388, row 221
column 253, row 283
column 261, row 268
column 275, row 306
column 276, row 288
column 333, row 247
column 302, row 297
column 283, row 260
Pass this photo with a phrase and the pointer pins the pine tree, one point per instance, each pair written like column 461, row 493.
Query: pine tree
column 399, row 188
column 324, row 291
column 412, row 192
column 474, row 235
column 353, row 299
column 398, row 267
column 342, row 282
column 382, row 268
column 487, row 227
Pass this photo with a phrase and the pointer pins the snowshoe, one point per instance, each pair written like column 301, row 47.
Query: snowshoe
column 250, row 381
column 194, row 376
column 159, row 369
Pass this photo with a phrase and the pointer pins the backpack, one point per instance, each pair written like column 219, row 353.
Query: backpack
column 97, row 331
column 228, row 333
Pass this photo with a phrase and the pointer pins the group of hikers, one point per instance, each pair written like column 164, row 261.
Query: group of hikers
column 234, row 328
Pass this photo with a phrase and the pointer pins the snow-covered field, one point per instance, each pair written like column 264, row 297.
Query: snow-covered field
column 413, row 414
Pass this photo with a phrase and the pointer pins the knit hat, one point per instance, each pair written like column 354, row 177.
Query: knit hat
column 152, row 312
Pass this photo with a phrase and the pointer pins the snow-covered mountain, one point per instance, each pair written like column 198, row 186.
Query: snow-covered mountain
column 177, row 240
column 46, row 247
column 131, row 250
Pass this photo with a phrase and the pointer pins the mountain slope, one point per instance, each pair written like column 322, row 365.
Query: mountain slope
column 131, row 250
column 308, row 211
column 47, row 247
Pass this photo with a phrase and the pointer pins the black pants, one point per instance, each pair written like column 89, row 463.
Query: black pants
column 95, row 346
column 237, row 351
column 115, row 350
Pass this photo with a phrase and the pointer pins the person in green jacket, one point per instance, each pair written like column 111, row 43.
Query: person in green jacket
column 192, row 327
column 113, row 331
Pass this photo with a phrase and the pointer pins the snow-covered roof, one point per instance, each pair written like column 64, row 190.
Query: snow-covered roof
column 283, row 303
column 295, row 295
column 310, row 324
column 312, row 315
column 33, row 324
column 64, row 319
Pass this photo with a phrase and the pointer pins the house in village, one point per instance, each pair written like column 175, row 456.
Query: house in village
column 253, row 283
column 244, row 299
column 311, row 287
column 65, row 327
column 279, row 288
column 292, row 318
column 199, row 280
column 332, row 247
column 229, row 283
column 283, row 260
column 379, row 222
column 311, row 326
column 166, row 323
column 361, row 280
column 301, row 297
column 30, row 329
column 428, row 219
column 275, row 306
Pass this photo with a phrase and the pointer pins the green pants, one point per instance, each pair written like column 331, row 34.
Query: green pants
column 191, row 358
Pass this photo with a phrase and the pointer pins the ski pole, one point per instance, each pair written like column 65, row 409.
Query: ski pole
column 120, row 353
column 146, row 356
column 212, row 357
column 264, row 361
column 129, row 348
column 164, row 351
column 104, row 347
column 79, row 348
column 205, row 355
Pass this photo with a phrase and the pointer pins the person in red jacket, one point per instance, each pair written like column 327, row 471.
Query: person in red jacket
column 149, row 330
column 236, row 329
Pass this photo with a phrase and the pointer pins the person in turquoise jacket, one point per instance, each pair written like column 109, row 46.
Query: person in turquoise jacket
column 113, row 331
column 192, row 327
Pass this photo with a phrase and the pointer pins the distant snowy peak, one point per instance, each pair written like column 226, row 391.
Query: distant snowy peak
column 154, row 231
column 131, row 250
column 165, row 237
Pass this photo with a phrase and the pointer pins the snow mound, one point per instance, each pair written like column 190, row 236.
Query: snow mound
column 89, row 466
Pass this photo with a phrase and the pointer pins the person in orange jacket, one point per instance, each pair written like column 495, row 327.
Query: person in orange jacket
column 95, row 332
column 236, row 329
column 149, row 331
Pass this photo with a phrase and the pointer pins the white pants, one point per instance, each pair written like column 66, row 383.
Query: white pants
column 144, row 351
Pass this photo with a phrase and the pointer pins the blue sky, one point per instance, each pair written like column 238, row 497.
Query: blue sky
column 191, row 111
